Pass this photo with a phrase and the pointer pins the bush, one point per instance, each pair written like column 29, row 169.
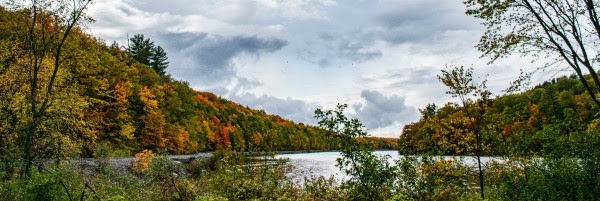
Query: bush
column 162, row 168
column 235, row 179
column 548, row 179
column 197, row 167
column 320, row 188
column 102, row 153
column 142, row 161
column 432, row 178
column 43, row 185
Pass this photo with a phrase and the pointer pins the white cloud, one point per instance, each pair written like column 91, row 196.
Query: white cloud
column 116, row 18
column 257, row 11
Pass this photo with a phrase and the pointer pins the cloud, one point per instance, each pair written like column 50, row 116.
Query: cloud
column 288, row 108
column 380, row 111
column 207, row 60
column 260, row 11
column 356, row 51
column 116, row 18
column 329, row 49
column 414, row 21
column 413, row 77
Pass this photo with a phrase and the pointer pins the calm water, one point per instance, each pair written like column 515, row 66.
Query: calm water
column 323, row 163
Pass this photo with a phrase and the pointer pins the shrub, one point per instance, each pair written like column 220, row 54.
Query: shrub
column 142, row 161
column 54, row 183
column 162, row 168
column 197, row 167
column 102, row 153
column 235, row 179
column 432, row 178
column 320, row 188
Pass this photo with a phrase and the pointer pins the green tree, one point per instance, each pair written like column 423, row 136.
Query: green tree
column 141, row 48
column 371, row 176
column 158, row 60
column 429, row 111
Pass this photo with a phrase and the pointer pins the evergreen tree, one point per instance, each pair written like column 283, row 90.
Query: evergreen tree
column 158, row 60
column 141, row 48
column 114, row 46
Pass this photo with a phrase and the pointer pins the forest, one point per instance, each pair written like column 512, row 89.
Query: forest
column 72, row 107
column 554, row 116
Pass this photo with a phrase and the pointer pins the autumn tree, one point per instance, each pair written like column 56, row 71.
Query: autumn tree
column 178, row 140
column 43, row 37
column 460, row 84
column 565, row 31
column 122, row 118
column 153, row 121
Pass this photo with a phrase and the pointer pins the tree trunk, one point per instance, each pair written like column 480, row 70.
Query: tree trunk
column 477, row 149
column 478, row 155
column 27, row 147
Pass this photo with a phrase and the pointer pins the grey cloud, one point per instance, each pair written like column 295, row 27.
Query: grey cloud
column 324, row 62
column 288, row 108
column 186, row 7
column 326, row 36
column 244, row 84
column 421, row 20
column 380, row 111
column 357, row 52
column 216, row 52
column 206, row 59
column 425, row 26
column 405, row 77
column 339, row 50
column 412, row 77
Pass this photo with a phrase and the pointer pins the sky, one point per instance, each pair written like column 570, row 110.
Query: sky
column 289, row 57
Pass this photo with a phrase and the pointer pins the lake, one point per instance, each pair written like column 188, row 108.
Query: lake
column 323, row 163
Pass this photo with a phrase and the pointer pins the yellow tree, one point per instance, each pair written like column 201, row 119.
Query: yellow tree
column 44, row 31
column 152, row 122
column 121, row 95
column 179, row 140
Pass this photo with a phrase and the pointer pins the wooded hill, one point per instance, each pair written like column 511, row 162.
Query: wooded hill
column 552, row 117
column 103, row 97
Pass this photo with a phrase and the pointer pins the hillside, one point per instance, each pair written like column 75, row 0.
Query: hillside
column 105, row 98
column 550, row 117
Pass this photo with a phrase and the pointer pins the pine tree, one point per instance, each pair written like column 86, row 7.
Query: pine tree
column 158, row 60
column 114, row 46
column 141, row 48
